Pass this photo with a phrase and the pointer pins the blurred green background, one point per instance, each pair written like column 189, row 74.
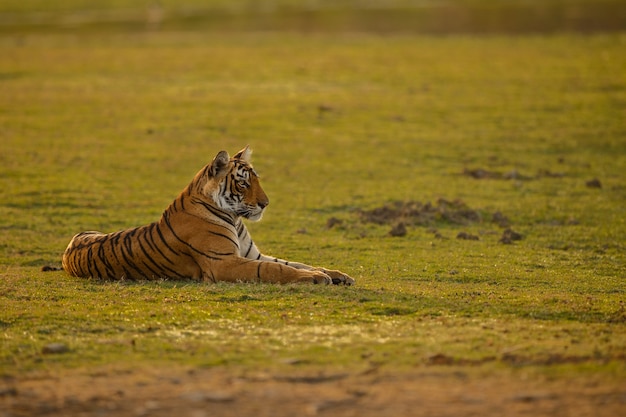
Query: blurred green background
column 383, row 16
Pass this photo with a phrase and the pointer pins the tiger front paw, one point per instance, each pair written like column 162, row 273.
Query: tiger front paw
column 319, row 277
column 339, row 277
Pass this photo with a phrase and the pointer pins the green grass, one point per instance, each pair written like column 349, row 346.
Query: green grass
column 102, row 131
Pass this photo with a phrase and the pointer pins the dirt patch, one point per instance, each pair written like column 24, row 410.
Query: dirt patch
column 423, row 214
column 485, row 174
column 450, row 390
column 482, row 174
column 401, row 215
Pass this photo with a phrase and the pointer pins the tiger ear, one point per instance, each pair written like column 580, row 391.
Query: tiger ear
column 245, row 154
column 219, row 165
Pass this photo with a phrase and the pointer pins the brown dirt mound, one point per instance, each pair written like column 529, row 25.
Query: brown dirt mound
column 422, row 214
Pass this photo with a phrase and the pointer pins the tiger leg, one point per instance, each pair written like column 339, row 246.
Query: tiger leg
column 249, row 250
column 235, row 269
column 336, row 276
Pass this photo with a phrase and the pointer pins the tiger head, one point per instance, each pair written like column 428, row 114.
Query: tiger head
column 234, row 185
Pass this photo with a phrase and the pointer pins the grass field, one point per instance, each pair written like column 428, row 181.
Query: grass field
column 101, row 131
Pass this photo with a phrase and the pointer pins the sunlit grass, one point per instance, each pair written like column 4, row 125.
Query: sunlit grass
column 103, row 131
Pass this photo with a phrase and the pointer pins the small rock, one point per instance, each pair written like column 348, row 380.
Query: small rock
column 55, row 348
column 480, row 173
column 466, row 236
column 332, row 222
column 324, row 109
column 500, row 219
column 398, row 230
column 508, row 236
column 594, row 183
column 48, row 268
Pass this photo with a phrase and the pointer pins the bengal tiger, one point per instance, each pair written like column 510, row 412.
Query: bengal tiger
column 199, row 236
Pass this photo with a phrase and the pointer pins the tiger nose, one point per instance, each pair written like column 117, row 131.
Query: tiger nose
column 263, row 203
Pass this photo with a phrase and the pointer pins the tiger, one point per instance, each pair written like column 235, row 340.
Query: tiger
column 200, row 236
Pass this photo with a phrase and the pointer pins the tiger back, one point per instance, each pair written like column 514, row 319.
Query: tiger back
column 199, row 236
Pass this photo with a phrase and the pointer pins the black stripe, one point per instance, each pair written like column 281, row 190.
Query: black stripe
column 88, row 261
column 234, row 242
column 212, row 276
column 127, row 274
column 249, row 248
column 174, row 273
column 115, row 246
column 196, row 184
column 153, row 244
column 84, row 265
column 127, row 242
column 146, row 232
column 129, row 257
column 226, row 217
column 103, row 258
column 147, row 255
column 167, row 222
column 164, row 241
column 155, row 273
column 93, row 261
column 77, row 263
column 162, row 268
